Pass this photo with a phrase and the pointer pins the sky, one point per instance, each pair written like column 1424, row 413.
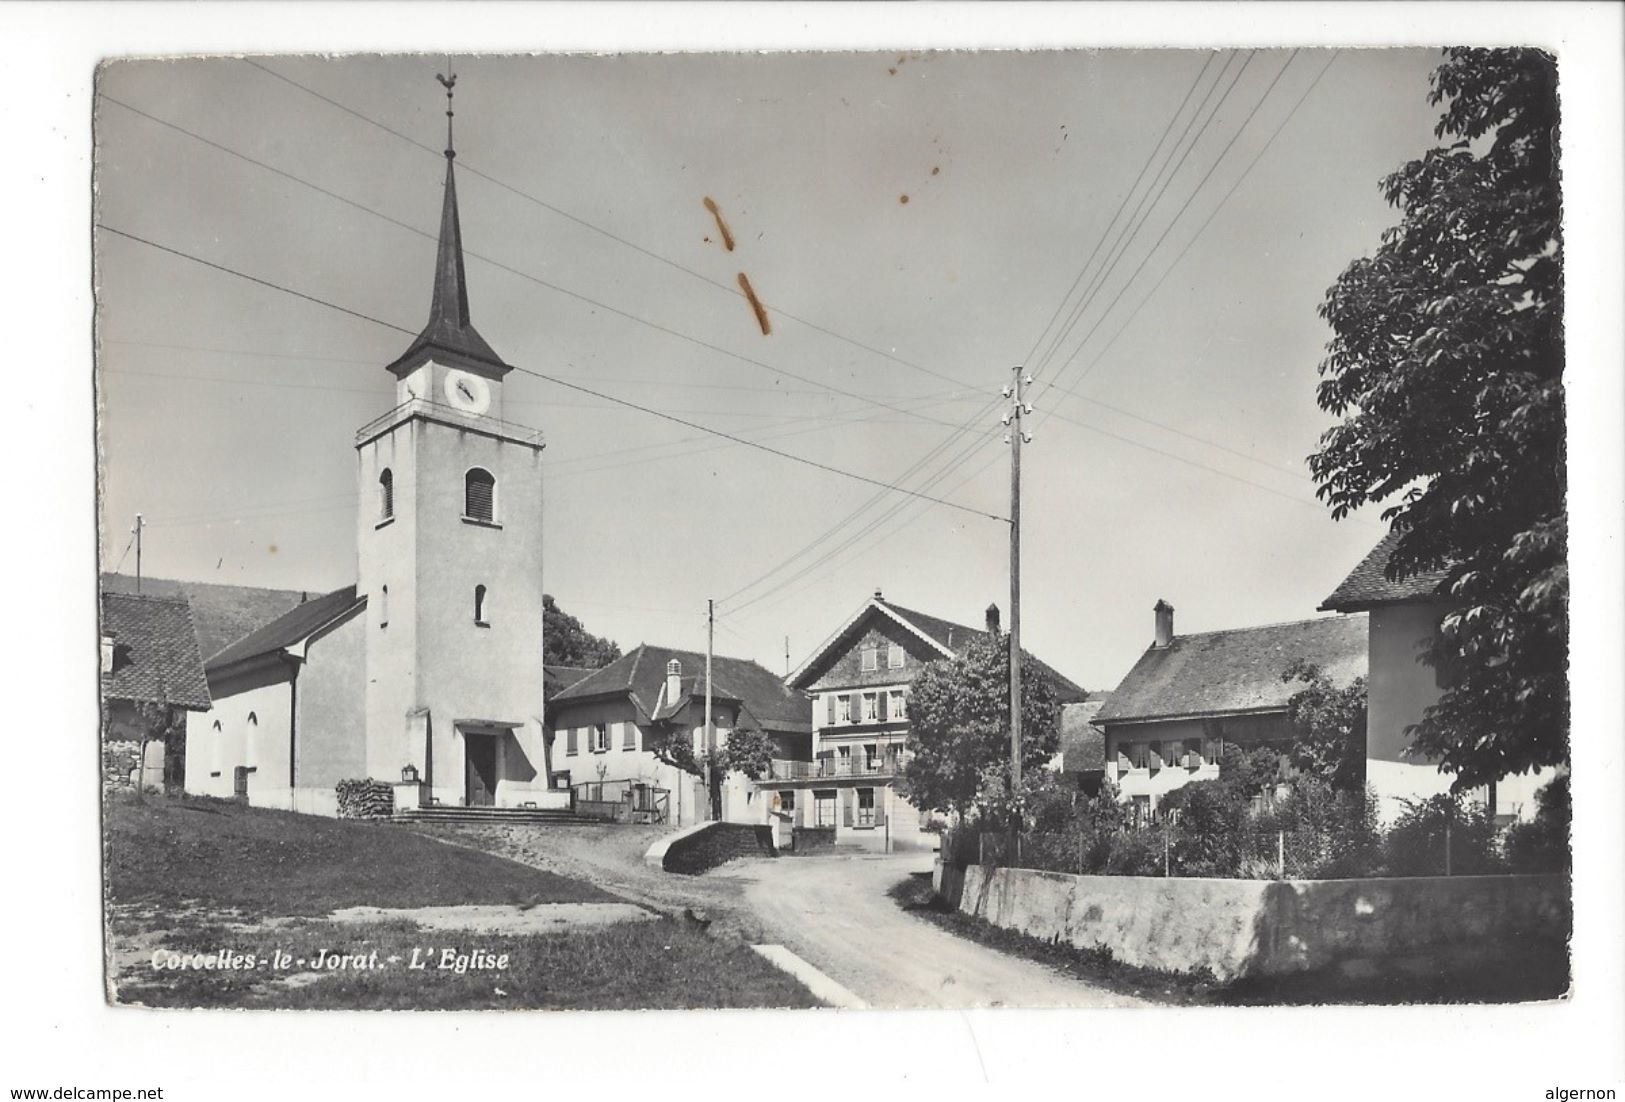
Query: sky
column 916, row 225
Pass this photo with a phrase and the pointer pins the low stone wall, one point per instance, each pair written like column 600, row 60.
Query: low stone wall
column 1238, row 928
column 713, row 844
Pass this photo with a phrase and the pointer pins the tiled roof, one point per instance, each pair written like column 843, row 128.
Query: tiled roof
column 155, row 655
column 555, row 679
column 1235, row 671
column 1370, row 585
column 288, row 629
column 223, row 614
column 641, row 674
column 956, row 637
column 1083, row 745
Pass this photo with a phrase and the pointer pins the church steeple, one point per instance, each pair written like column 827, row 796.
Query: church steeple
column 450, row 337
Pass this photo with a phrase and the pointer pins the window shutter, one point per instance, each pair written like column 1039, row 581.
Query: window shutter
column 882, row 706
column 630, row 741
column 830, row 700
column 848, row 798
column 479, row 493
column 856, row 705
column 570, row 741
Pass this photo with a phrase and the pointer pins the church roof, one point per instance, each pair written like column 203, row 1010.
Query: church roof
column 450, row 337
column 294, row 626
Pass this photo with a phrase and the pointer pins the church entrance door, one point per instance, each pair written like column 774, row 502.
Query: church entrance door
column 480, row 754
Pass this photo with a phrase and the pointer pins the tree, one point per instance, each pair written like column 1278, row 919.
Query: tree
column 1328, row 726
column 566, row 643
column 746, row 750
column 959, row 731
column 1446, row 366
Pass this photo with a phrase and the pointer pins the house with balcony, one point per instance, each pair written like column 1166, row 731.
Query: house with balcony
column 1188, row 697
column 603, row 729
column 858, row 684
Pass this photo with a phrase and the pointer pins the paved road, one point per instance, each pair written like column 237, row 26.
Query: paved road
column 833, row 911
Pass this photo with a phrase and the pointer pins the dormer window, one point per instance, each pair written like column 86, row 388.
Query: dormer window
column 479, row 496
column 386, row 496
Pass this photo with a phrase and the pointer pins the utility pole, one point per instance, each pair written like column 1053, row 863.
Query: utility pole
column 138, row 553
column 710, row 732
column 786, row 656
column 1017, row 435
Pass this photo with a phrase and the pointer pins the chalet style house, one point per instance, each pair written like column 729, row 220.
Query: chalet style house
column 604, row 726
column 1189, row 696
column 858, row 682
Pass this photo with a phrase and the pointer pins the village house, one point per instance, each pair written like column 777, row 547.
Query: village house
column 1400, row 617
column 1188, row 697
column 150, row 676
column 858, row 681
column 605, row 726
column 222, row 613
column 428, row 669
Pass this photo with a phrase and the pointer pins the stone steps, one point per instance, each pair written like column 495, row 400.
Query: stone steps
column 501, row 816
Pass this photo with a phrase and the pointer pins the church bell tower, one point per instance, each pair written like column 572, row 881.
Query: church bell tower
column 449, row 542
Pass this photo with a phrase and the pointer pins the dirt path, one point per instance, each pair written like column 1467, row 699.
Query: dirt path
column 834, row 912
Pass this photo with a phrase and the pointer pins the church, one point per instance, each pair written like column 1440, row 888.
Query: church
column 427, row 669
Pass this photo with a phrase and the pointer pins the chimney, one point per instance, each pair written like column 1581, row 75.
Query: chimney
column 674, row 682
column 1165, row 622
column 993, row 619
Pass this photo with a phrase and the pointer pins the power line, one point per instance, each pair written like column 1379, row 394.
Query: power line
column 1144, row 210
column 1120, row 206
column 828, row 468
column 657, row 326
column 1173, row 221
column 1073, row 390
column 730, row 289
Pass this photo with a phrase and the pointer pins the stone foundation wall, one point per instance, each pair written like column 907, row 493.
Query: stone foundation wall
column 1237, row 928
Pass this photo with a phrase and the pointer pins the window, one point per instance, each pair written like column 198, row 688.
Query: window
column 570, row 742
column 843, row 708
column 871, row 756
column 898, row 709
column 386, row 496
column 871, row 659
column 479, row 607
column 824, row 808
column 866, row 807
column 479, row 496
column 871, row 707
column 1139, row 755
column 629, row 741
column 383, row 607
column 600, row 738
column 894, row 657
column 787, row 800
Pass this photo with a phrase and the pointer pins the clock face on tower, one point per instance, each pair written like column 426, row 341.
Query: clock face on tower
column 466, row 392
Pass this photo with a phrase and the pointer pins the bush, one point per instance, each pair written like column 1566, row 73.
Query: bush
column 365, row 798
column 1329, row 834
column 1543, row 845
column 1416, row 844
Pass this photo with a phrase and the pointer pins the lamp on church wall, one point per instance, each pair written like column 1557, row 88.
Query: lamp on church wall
column 409, row 774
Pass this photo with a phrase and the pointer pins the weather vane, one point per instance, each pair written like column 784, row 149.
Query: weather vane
column 449, row 82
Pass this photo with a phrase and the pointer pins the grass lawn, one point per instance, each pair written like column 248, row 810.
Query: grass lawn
column 1531, row 972
column 192, row 882
column 221, row 854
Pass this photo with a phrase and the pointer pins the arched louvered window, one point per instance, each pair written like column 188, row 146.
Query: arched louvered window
column 383, row 607
column 479, row 495
column 386, row 495
column 479, row 606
